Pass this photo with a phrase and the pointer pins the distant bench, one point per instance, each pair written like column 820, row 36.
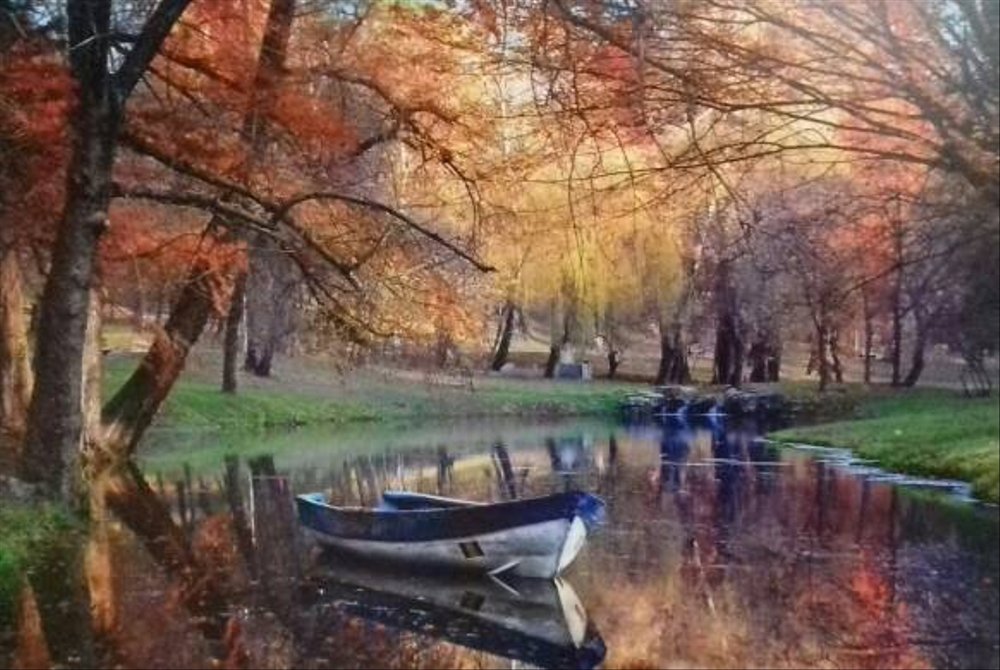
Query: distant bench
column 577, row 371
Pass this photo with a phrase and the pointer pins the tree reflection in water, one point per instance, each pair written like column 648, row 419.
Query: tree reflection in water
column 719, row 550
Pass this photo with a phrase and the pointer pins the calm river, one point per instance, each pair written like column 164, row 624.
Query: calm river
column 719, row 550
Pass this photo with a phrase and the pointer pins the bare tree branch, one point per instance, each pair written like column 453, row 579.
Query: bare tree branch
column 288, row 205
column 146, row 45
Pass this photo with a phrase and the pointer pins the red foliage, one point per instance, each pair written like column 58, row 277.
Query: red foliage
column 36, row 95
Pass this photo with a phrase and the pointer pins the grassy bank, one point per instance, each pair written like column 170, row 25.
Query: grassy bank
column 307, row 394
column 927, row 432
column 28, row 536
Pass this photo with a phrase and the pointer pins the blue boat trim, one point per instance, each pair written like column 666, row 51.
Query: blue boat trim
column 441, row 523
column 407, row 500
column 591, row 511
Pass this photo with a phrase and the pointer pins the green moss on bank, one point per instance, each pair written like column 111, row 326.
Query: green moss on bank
column 926, row 432
column 27, row 533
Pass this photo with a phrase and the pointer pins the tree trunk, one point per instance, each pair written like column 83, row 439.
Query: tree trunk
column 838, row 370
column 673, row 367
column 823, row 362
column 728, row 363
column 919, row 346
column 774, row 363
column 614, row 360
column 665, row 369
column 55, row 421
column 139, row 295
column 552, row 361
column 758, row 362
column 231, row 349
column 897, row 318
column 91, row 438
column 869, row 335
column 131, row 410
column 502, row 350
column 15, row 360
column 266, row 306
column 271, row 282
column 764, row 357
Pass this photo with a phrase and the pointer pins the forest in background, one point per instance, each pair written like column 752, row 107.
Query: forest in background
column 352, row 179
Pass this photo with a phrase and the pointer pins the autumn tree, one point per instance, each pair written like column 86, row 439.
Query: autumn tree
column 813, row 228
column 354, row 253
column 55, row 419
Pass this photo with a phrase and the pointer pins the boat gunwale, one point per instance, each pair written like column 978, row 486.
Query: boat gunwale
column 440, row 523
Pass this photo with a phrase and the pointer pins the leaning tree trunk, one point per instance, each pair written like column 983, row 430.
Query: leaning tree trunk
column 128, row 414
column 15, row 360
column 502, row 350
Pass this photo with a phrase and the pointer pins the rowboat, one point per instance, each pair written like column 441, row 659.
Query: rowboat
column 534, row 621
column 530, row 537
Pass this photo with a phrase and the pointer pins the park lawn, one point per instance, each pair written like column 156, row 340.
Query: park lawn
column 195, row 403
column 927, row 432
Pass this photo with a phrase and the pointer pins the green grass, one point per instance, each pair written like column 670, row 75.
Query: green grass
column 197, row 404
column 810, row 405
column 933, row 433
column 193, row 404
column 26, row 535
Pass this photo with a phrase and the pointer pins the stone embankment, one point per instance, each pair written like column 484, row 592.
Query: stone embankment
column 690, row 401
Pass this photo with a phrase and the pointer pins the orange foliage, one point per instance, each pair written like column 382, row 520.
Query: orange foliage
column 321, row 129
column 35, row 101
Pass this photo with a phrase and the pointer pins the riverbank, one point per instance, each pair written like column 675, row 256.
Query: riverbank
column 927, row 432
column 308, row 393
column 29, row 536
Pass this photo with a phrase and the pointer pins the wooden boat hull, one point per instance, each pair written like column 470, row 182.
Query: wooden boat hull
column 528, row 538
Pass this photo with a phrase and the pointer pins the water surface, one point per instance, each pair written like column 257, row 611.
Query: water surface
column 719, row 550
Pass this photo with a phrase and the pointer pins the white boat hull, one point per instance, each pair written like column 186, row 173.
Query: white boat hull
column 541, row 550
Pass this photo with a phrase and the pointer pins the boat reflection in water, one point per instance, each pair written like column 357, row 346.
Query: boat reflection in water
column 535, row 621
